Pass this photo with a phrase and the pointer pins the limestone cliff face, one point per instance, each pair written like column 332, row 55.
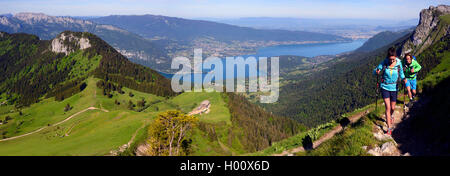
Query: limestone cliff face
column 67, row 42
column 429, row 29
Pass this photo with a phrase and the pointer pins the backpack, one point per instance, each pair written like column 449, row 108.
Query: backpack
column 406, row 66
column 385, row 65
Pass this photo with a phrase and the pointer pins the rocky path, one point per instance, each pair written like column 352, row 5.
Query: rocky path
column 401, row 137
column 413, row 135
column 389, row 146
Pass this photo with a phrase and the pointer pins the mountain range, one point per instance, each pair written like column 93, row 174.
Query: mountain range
column 78, row 94
column 47, row 27
column 172, row 28
column 153, row 40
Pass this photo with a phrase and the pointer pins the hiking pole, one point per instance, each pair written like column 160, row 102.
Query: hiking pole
column 377, row 92
column 404, row 99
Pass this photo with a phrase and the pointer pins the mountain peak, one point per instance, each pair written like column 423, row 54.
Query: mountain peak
column 428, row 20
column 422, row 36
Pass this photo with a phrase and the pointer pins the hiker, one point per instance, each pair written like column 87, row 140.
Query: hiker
column 411, row 68
column 391, row 71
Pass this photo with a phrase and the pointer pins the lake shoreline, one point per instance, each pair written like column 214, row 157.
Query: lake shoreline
column 309, row 50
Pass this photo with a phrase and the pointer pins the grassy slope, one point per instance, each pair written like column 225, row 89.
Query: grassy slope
column 439, row 73
column 218, row 117
column 95, row 132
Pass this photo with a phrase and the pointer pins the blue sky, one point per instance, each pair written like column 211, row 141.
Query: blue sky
column 371, row 9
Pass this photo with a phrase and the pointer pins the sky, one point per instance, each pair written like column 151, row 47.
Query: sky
column 348, row 9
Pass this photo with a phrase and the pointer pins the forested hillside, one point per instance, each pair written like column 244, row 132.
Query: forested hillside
column 260, row 128
column 381, row 39
column 31, row 68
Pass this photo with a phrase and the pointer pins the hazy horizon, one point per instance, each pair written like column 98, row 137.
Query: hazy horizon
column 208, row 18
column 396, row 10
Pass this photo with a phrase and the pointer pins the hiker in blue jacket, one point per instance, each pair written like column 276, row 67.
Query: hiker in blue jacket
column 391, row 71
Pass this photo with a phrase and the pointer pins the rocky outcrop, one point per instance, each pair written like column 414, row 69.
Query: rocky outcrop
column 387, row 149
column 68, row 42
column 423, row 34
column 142, row 150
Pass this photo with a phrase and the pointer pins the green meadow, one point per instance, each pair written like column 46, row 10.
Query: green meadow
column 97, row 132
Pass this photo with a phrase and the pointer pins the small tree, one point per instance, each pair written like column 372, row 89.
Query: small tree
column 119, row 89
column 141, row 103
column 67, row 108
column 7, row 118
column 109, row 95
column 130, row 105
column 168, row 132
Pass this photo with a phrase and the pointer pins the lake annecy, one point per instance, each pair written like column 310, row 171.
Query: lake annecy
column 307, row 50
column 310, row 50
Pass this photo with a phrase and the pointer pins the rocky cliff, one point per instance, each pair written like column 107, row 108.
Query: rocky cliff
column 67, row 43
column 432, row 26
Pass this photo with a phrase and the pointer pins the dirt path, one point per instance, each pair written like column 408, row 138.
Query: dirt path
column 135, row 133
column 40, row 129
column 326, row 136
column 123, row 147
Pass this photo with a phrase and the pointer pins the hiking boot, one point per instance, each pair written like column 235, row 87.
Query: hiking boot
column 389, row 132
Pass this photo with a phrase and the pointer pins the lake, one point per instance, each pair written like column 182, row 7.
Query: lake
column 310, row 50
column 307, row 50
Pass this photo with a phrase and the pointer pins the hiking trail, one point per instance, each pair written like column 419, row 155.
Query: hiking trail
column 56, row 124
